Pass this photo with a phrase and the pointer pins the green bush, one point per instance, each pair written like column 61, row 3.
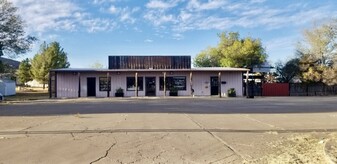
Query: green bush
column 173, row 91
column 119, row 90
column 231, row 92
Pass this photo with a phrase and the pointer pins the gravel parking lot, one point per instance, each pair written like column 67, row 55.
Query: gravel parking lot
column 170, row 130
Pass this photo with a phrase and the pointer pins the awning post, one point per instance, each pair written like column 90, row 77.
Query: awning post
column 219, row 84
column 247, row 76
column 136, row 84
column 79, row 84
column 191, row 84
column 164, row 84
column 109, row 84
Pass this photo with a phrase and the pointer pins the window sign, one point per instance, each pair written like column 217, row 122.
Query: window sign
column 104, row 84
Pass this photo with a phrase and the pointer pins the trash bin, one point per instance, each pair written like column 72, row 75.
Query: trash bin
column 250, row 90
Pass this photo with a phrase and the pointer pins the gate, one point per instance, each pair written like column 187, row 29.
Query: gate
column 275, row 89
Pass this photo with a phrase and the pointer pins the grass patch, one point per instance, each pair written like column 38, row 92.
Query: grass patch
column 27, row 94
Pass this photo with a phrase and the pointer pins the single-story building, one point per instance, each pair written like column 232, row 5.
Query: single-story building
column 146, row 76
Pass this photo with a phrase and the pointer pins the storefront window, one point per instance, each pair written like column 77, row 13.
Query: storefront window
column 178, row 82
column 131, row 84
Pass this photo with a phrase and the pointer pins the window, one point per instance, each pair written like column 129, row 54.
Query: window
column 131, row 84
column 178, row 82
column 104, row 84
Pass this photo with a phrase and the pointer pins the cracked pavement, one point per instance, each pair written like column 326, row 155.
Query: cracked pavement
column 169, row 130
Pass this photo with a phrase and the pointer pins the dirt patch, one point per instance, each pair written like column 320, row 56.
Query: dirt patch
column 301, row 148
column 331, row 148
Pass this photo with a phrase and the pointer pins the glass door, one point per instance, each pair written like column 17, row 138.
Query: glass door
column 150, row 86
column 214, row 85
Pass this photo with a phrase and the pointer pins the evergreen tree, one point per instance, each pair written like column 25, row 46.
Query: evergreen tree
column 51, row 56
column 23, row 73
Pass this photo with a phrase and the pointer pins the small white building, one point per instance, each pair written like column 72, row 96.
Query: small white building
column 7, row 87
column 35, row 83
column 145, row 76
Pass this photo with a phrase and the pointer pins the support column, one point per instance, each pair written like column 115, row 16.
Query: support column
column 109, row 84
column 55, row 84
column 191, row 84
column 49, row 85
column 164, row 84
column 247, row 83
column 136, row 84
column 79, row 84
column 219, row 84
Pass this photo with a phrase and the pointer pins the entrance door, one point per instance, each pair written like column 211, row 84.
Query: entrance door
column 214, row 85
column 91, row 86
column 150, row 86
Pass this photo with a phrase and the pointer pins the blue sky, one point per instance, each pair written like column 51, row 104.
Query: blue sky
column 91, row 30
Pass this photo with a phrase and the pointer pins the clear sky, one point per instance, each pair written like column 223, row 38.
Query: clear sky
column 91, row 30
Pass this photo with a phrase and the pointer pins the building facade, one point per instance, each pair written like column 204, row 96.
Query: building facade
column 145, row 76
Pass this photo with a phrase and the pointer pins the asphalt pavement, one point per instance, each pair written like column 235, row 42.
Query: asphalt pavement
column 168, row 130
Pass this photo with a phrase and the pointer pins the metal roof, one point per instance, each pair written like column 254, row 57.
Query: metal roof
column 12, row 63
column 220, row 69
column 199, row 69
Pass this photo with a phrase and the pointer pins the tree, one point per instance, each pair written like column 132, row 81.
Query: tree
column 286, row 72
column 207, row 58
column 24, row 73
column 329, row 76
column 318, row 53
column 13, row 40
column 97, row 64
column 232, row 51
column 40, row 69
column 320, row 43
column 51, row 56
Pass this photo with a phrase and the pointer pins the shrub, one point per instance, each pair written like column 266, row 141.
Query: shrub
column 173, row 91
column 231, row 92
column 119, row 90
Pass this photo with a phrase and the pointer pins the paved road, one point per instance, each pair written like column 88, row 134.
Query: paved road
column 173, row 130
column 174, row 105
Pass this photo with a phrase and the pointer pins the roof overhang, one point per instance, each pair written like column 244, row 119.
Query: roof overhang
column 203, row 69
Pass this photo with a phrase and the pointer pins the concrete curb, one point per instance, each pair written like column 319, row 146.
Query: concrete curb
column 114, row 99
